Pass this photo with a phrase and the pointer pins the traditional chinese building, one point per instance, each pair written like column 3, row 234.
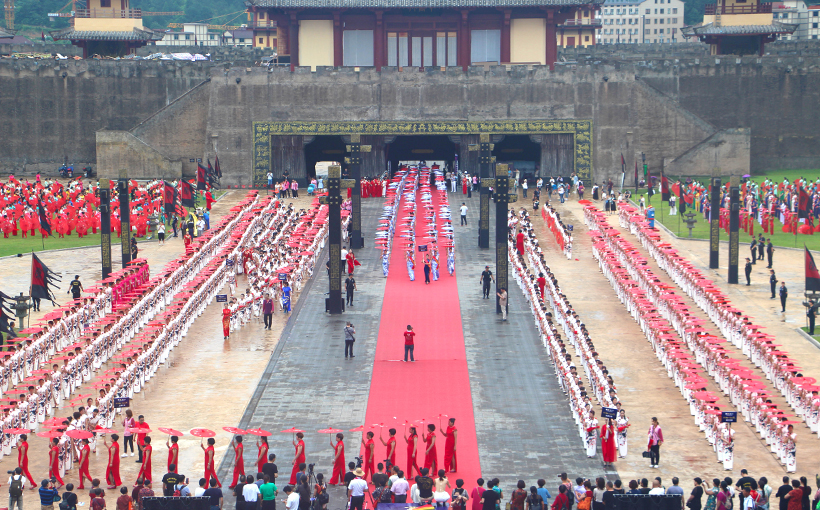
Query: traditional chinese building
column 421, row 33
column 107, row 27
column 738, row 27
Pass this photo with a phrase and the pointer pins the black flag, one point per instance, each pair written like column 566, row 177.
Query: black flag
column 186, row 194
column 201, row 181
column 5, row 313
column 42, row 279
column 169, row 194
column 44, row 223
column 217, row 170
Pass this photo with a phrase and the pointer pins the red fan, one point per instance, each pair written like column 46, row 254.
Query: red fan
column 202, row 433
column 16, row 431
column 51, row 434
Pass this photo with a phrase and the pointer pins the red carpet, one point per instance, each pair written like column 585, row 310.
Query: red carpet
column 438, row 382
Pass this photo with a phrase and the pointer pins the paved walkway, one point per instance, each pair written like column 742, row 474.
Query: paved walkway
column 522, row 417
column 307, row 382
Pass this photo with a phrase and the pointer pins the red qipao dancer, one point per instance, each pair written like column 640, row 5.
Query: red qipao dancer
column 85, row 451
column 22, row 459
column 609, row 441
column 226, row 322
column 112, row 470
column 519, row 242
column 391, row 445
column 173, row 454
column 351, row 262
column 210, row 472
column 262, row 453
column 412, row 451
column 147, row 450
column 430, row 454
column 209, row 199
column 451, row 435
column 54, row 461
column 369, row 455
column 298, row 457
column 239, row 466
column 338, row 460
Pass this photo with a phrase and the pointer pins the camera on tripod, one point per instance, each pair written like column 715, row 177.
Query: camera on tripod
column 310, row 468
column 388, row 465
column 358, row 461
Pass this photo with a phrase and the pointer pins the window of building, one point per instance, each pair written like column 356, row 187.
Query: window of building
column 656, row 31
column 105, row 3
column 814, row 37
column 212, row 37
column 814, row 25
column 446, row 45
column 661, row 11
column 656, row 21
column 586, row 38
column 187, row 37
column 674, row 10
column 485, row 45
column 661, row 21
column 649, row 11
column 241, row 39
column 261, row 39
column 176, row 37
column 815, row 13
column 647, row 31
column 357, row 48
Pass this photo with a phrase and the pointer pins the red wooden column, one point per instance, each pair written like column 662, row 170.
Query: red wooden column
column 552, row 44
column 294, row 41
column 505, row 36
column 337, row 39
column 379, row 42
column 464, row 43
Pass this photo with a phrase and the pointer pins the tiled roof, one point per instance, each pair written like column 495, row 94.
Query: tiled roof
column 710, row 29
column 96, row 35
column 412, row 4
column 4, row 34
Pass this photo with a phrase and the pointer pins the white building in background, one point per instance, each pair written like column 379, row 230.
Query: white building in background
column 240, row 37
column 192, row 34
column 641, row 21
column 797, row 13
column 814, row 22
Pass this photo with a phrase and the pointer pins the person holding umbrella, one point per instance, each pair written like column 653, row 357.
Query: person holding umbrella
column 145, row 451
column 298, row 457
column 84, row 453
column 22, row 458
column 112, row 469
column 338, row 459
column 210, row 472
column 369, row 455
column 412, row 451
column 239, row 467
column 262, row 453
column 173, row 452
column 390, row 444
column 54, row 460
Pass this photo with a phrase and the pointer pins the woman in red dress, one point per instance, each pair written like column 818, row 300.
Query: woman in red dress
column 22, row 459
column 210, row 472
column 338, row 460
column 609, row 441
column 239, row 467
column 369, row 455
column 464, row 183
column 262, row 453
column 145, row 470
column 450, row 434
column 412, row 452
column 430, row 454
column 391, row 445
column 351, row 262
column 298, row 457
column 54, row 462
column 112, row 470
column 173, row 454
column 226, row 321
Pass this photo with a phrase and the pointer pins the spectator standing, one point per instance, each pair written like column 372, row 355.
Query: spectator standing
column 399, row 488
column 475, row 495
column 98, row 501
column 292, row 501
column 268, row 493
column 250, row 493
column 350, row 338
column 145, row 492
column 695, row 501
column 214, row 493
column 48, row 495
column 17, row 482
column 782, row 491
column 124, row 501
column 655, row 442
column 784, row 293
column 268, row 310
column 69, row 497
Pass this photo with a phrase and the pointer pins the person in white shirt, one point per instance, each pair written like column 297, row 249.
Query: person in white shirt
column 748, row 500
column 399, row 488
column 656, row 488
column 250, row 491
column 357, row 488
column 14, row 498
column 201, row 489
column 463, row 210
column 292, row 503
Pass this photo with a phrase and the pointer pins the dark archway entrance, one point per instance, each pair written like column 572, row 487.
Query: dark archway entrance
column 520, row 153
column 420, row 147
column 323, row 148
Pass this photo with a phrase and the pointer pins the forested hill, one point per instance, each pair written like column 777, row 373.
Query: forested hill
column 35, row 12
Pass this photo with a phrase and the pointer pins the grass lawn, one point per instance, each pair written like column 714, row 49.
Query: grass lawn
column 816, row 330
column 701, row 230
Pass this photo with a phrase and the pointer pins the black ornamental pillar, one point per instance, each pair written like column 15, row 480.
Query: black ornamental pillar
column 105, row 227
column 125, row 219
column 714, row 224
column 502, row 200
column 734, row 233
